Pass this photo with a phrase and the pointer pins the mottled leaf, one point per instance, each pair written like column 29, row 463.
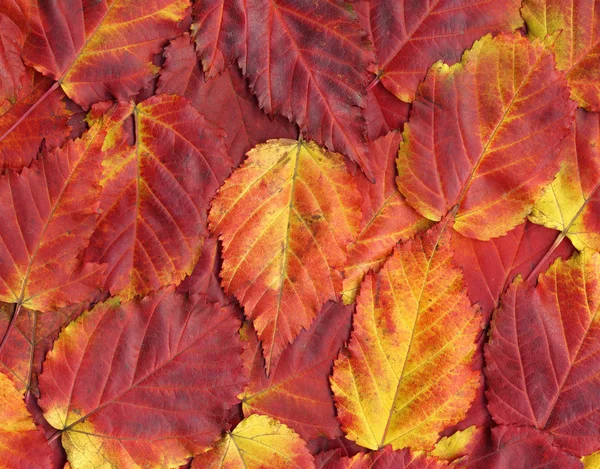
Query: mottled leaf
column 258, row 442
column 572, row 31
column 409, row 36
column 163, row 162
column 285, row 218
column 571, row 204
column 297, row 391
column 481, row 136
column 22, row 445
column 387, row 218
column 407, row 373
column 542, row 361
column 384, row 459
column 224, row 100
column 146, row 384
column 100, row 49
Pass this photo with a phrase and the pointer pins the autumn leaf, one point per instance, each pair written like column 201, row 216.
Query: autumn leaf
column 518, row 448
column 257, row 442
column 23, row 128
column 22, row 445
column 407, row 374
column 224, row 100
column 387, row 218
column 459, row 444
column 571, row 204
column 410, row 36
column 100, row 50
column 540, row 360
column 297, row 391
column 163, row 162
column 489, row 267
column 384, row 112
column 571, row 31
column 285, row 218
column 384, row 459
column 473, row 124
column 145, row 384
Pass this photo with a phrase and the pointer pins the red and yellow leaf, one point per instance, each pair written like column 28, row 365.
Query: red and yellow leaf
column 407, row 374
column 101, row 49
column 541, row 361
column 22, row 445
column 297, row 391
column 285, row 218
column 481, row 136
column 572, row 30
column 306, row 60
column 163, row 164
column 258, row 442
column 384, row 459
column 225, row 100
column 571, row 204
column 387, row 218
column 409, row 36
column 147, row 384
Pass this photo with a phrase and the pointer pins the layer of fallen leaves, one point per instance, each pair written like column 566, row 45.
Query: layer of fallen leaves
column 300, row 234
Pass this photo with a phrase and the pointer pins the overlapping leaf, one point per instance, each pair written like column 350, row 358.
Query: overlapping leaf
column 257, row 442
column 387, row 218
column 163, row 162
column 482, row 133
column 490, row 266
column 224, row 100
column 384, row 459
column 297, row 391
column 285, row 218
column 408, row 374
column 22, row 445
column 146, row 384
column 100, row 50
column 571, row 203
column 542, row 358
column 410, row 36
column 572, row 31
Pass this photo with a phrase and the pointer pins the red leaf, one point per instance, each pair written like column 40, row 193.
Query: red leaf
column 384, row 112
column 542, row 358
column 100, row 49
column 297, row 391
column 224, row 100
column 382, row 459
column 145, row 384
column 518, row 448
column 490, row 266
column 410, row 36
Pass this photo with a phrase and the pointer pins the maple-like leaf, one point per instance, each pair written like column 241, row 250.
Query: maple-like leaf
column 22, row 128
column 541, row 361
column 481, row 136
column 297, row 391
column 386, row 217
column 285, row 218
column 146, row 384
column 383, row 459
column 163, row 162
column 224, row 100
column 258, row 442
column 518, row 448
column 572, row 32
column 306, row 60
column 220, row 31
column 100, row 49
column 22, row 445
column 48, row 213
column 407, row 374
column 571, row 204
column 489, row 267
column 409, row 36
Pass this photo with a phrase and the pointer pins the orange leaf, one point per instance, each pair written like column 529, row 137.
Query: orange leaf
column 481, row 136
column 408, row 374
column 285, row 218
